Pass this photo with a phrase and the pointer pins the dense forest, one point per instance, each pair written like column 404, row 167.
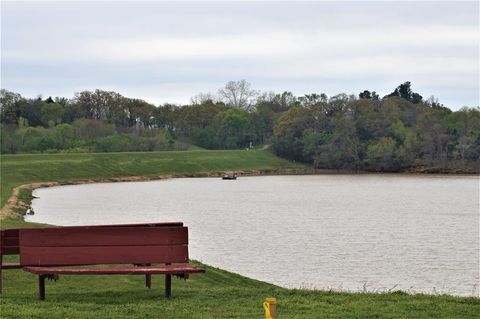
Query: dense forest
column 397, row 132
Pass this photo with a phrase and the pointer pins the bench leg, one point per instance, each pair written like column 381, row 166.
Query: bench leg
column 41, row 287
column 1, row 261
column 168, row 286
column 148, row 281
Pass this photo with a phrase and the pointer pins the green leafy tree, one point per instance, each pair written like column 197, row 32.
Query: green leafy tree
column 288, row 133
column 64, row 136
column 90, row 129
column 9, row 106
column 51, row 113
column 312, row 99
column 405, row 91
column 166, row 117
column 233, row 124
column 343, row 148
column 9, row 143
column 381, row 155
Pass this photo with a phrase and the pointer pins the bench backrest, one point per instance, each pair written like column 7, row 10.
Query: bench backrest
column 10, row 241
column 103, row 245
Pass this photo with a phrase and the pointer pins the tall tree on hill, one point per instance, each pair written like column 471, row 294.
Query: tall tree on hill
column 139, row 112
column 238, row 94
column 313, row 99
column 51, row 113
column 165, row 116
column 102, row 105
column 9, row 102
column 405, row 91
column 368, row 95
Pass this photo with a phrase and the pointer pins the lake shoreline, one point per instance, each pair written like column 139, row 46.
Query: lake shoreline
column 18, row 204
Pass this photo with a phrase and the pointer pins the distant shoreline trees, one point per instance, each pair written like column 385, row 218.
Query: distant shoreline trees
column 365, row 132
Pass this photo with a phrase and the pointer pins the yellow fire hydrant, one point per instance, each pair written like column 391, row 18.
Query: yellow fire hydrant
column 270, row 306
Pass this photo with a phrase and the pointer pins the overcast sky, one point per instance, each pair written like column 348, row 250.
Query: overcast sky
column 168, row 52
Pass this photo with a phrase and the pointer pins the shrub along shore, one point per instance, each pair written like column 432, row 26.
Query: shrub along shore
column 216, row 294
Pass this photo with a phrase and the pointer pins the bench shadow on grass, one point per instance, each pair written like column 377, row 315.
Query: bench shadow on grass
column 108, row 297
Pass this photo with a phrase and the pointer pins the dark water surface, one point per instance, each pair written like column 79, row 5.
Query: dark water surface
column 344, row 232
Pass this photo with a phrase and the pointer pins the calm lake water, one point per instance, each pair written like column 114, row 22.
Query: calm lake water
column 342, row 232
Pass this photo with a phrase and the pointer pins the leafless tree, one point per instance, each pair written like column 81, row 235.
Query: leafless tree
column 203, row 98
column 238, row 94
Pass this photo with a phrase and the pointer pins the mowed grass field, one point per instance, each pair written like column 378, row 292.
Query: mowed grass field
column 215, row 294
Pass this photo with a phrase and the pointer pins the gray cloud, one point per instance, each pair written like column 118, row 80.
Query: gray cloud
column 167, row 52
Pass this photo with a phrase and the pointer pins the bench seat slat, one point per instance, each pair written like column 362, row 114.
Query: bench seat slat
column 11, row 265
column 141, row 270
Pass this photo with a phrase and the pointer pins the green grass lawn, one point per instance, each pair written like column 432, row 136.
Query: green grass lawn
column 215, row 294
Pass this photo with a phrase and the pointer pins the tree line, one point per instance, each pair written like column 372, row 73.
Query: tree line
column 399, row 131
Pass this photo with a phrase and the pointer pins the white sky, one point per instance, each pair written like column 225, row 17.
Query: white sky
column 170, row 51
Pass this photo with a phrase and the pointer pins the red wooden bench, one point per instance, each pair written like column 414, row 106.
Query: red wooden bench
column 10, row 241
column 47, row 252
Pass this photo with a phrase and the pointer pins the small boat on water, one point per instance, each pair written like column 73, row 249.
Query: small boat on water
column 229, row 176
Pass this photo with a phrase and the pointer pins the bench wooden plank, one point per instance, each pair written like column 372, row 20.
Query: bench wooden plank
column 93, row 255
column 114, row 236
column 139, row 270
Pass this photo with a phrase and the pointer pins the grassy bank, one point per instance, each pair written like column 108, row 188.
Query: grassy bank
column 216, row 294
column 33, row 168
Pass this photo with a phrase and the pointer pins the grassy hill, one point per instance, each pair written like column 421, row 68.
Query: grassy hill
column 216, row 294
